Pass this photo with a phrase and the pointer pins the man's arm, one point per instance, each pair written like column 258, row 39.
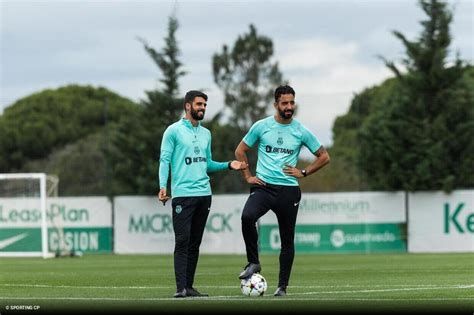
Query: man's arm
column 167, row 147
column 164, row 173
column 322, row 159
column 241, row 155
column 213, row 166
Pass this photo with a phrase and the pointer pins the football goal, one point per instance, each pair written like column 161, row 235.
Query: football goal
column 25, row 222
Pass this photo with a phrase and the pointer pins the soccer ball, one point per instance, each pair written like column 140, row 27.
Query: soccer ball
column 256, row 285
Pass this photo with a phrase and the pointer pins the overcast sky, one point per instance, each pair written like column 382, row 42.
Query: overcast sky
column 326, row 49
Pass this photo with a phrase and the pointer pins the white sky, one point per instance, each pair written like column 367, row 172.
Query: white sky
column 326, row 49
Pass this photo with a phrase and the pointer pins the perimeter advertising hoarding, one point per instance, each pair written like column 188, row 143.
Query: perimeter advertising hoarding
column 144, row 226
column 343, row 222
column 440, row 222
column 85, row 224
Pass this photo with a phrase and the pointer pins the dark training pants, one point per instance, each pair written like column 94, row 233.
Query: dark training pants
column 189, row 220
column 284, row 202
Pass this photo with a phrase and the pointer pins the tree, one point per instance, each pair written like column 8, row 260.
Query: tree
column 225, row 138
column 137, row 140
column 80, row 166
column 37, row 124
column 421, row 136
column 247, row 77
column 344, row 173
column 167, row 60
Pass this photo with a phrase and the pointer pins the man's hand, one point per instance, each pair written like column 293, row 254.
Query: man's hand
column 162, row 196
column 292, row 171
column 254, row 180
column 238, row 165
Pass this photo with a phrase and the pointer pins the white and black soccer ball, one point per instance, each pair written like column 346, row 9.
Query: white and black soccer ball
column 255, row 285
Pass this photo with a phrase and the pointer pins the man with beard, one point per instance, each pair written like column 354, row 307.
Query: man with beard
column 186, row 147
column 275, row 185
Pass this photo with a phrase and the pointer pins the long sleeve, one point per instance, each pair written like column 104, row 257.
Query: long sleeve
column 213, row 166
column 167, row 147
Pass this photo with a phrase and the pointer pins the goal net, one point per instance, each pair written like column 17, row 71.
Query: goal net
column 27, row 228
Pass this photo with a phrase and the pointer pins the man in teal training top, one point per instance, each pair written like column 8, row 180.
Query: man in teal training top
column 275, row 186
column 186, row 147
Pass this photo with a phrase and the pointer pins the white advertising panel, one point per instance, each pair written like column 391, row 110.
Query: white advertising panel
column 440, row 222
column 348, row 207
column 83, row 223
column 69, row 211
column 144, row 225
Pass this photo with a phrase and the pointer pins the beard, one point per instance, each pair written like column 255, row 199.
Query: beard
column 195, row 114
column 286, row 114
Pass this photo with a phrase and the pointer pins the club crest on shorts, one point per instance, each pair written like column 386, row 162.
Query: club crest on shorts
column 178, row 209
column 196, row 150
column 280, row 141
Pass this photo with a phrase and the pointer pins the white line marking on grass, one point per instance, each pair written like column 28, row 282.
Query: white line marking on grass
column 389, row 290
column 291, row 296
column 379, row 285
column 410, row 286
column 84, row 286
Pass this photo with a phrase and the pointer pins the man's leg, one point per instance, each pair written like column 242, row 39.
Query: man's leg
column 198, row 225
column 183, row 209
column 286, row 213
column 258, row 203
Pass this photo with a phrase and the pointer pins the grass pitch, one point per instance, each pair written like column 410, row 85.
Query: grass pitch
column 335, row 283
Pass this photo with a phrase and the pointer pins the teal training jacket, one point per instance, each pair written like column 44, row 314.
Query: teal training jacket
column 187, row 149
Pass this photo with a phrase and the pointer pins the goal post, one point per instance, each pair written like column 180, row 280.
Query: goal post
column 23, row 214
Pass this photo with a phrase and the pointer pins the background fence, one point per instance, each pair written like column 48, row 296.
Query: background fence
column 327, row 223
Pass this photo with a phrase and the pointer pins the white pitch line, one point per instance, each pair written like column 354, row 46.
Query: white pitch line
column 388, row 290
column 290, row 296
column 84, row 287
column 461, row 286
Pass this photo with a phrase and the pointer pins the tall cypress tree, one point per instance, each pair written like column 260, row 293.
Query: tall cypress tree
column 167, row 59
column 138, row 139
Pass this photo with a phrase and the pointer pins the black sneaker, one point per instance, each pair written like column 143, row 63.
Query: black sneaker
column 195, row 293
column 249, row 270
column 280, row 291
column 180, row 293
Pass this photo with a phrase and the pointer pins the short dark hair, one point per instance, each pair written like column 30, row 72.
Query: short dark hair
column 283, row 89
column 191, row 95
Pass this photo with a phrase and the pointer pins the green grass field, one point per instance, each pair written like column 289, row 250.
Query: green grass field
column 339, row 283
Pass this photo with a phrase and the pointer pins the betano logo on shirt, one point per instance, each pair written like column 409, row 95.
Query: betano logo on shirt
column 189, row 160
column 270, row 149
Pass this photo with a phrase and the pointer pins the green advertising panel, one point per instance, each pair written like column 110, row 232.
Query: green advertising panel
column 338, row 238
column 87, row 240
